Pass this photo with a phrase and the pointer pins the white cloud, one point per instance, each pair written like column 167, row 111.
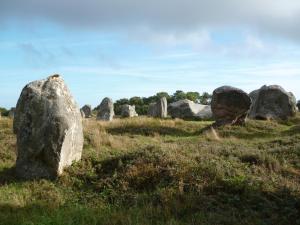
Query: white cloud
column 280, row 17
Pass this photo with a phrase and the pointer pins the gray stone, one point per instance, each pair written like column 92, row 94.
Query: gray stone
column 128, row 111
column 186, row 109
column 272, row 102
column 230, row 105
column 82, row 113
column 11, row 113
column 159, row 109
column 106, row 110
column 48, row 127
column 87, row 111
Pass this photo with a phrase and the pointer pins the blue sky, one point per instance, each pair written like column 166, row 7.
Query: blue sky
column 136, row 48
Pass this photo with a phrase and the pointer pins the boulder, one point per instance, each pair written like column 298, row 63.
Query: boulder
column 230, row 105
column 272, row 102
column 11, row 113
column 87, row 111
column 186, row 109
column 159, row 109
column 48, row 127
column 106, row 110
column 128, row 111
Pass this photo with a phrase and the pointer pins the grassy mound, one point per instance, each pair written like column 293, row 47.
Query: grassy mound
column 151, row 171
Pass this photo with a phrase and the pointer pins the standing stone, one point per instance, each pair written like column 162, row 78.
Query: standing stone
column 230, row 105
column 298, row 105
column 87, row 111
column 189, row 110
column 159, row 109
column 11, row 113
column 48, row 126
column 82, row 113
column 128, row 111
column 106, row 110
column 272, row 102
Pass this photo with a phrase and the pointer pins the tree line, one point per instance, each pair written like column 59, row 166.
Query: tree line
column 142, row 103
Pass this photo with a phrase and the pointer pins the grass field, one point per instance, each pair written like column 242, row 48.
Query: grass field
column 150, row 171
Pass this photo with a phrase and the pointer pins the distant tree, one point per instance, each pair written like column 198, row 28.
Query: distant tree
column 205, row 98
column 193, row 96
column 178, row 95
column 136, row 101
column 118, row 104
column 163, row 94
column 4, row 111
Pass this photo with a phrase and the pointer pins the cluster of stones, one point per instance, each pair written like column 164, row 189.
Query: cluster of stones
column 231, row 105
column 186, row 109
column 48, row 122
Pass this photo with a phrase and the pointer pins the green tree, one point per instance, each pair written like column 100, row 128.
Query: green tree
column 118, row 104
column 193, row 96
column 205, row 98
column 136, row 101
column 178, row 95
column 4, row 111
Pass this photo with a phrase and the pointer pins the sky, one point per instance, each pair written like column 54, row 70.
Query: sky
column 125, row 48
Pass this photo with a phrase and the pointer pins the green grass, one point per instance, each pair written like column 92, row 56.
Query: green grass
column 150, row 171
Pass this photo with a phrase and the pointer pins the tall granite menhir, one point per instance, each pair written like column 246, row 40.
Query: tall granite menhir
column 159, row 108
column 48, row 126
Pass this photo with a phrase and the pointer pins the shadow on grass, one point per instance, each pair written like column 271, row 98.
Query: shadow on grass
column 221, row 204
column 148, row 131
column 8, row 176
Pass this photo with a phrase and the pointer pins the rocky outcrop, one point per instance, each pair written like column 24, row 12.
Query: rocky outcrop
column 106, row 110
column 159, row 109
column 48, row 127
column 128, row 111
column 86, row 110
column 230, row 105
column 186, row 109
column 272, row 102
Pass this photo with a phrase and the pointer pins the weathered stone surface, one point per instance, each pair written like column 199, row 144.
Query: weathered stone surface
column 230, row 105
column 159, row 109
column 186, row 109
column 128, row 111
column 82, row 113
column 11, row 113
column 272, row 102
column 106, row 110
column 298, row 105
column 48, row 126
column 87, row 111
